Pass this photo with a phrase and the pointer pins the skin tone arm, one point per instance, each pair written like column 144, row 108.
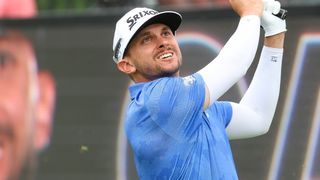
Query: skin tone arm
column 247, row 7
column 276, row 41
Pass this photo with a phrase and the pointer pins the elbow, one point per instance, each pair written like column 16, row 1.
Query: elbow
column 264, row 130
column 263, row 127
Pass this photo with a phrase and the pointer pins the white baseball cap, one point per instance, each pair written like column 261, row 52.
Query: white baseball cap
column 134, row 21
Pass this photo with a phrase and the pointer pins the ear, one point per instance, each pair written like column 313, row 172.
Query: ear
column 45, row 110
column 126, row 66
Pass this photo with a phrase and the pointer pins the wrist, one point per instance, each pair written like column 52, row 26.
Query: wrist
column 275, row 41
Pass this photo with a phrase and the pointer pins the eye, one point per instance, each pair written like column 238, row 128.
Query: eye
column 146, row 39
column 167, row 33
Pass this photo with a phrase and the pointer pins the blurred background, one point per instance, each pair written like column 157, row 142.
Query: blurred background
column 73, row 39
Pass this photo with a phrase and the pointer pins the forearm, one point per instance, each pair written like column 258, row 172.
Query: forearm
column 234, row 59
column 263, row 92
column 259, row 102
column 254, row 114
column 275, row 41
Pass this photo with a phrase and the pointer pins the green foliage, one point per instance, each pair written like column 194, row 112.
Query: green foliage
column 65, row 4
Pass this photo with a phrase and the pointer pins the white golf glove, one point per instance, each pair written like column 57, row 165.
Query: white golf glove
column 272, row 24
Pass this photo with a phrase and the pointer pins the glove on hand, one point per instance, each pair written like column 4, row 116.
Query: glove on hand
column 272, row 24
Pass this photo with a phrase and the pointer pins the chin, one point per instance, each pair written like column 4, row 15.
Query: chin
column 172, row 73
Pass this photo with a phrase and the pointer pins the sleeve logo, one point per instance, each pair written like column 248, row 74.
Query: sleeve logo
column 188, row 80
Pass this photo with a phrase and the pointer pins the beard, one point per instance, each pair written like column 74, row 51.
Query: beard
column 173, row 73
column 152, row 73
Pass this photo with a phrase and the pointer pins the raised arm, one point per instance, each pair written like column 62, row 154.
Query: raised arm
column 254, row 114
column 237, row 55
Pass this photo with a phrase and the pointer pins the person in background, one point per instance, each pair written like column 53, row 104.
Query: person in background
column 27, row 99
column 18, row 9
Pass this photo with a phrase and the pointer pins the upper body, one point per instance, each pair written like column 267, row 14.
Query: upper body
column 176, row 126
column 26, row 106
column 173, row 137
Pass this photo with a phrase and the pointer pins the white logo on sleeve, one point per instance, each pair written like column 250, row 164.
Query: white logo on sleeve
column 188, row 80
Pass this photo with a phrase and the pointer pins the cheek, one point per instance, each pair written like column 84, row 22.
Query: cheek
column 143, row 57
column 177, row 48
column 23, row 123
column 15, row 109
column 146, row 53
column 14, row 96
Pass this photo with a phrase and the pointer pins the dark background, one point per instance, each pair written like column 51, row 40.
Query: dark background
column 87, row 141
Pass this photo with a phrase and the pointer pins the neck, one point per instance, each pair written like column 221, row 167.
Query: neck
column 140, row 78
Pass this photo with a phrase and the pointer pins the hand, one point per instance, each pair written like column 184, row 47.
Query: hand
column 247, row 7
column 271, row 6
column 271, row 24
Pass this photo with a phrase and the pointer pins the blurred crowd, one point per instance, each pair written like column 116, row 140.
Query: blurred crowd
column 30, row 8
column 194, row 3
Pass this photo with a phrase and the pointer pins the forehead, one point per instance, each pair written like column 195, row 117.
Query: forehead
column 149, row 29
column 152, row 28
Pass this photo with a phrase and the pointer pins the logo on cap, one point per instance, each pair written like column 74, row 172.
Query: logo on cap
column 132, row 20
column 117, row 50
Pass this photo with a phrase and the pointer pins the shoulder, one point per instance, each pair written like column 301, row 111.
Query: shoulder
column 221, row 107
column 172, row 83
column 221, row 110
column 186, row 81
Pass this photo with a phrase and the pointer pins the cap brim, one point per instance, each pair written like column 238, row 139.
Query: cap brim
column 170, row 18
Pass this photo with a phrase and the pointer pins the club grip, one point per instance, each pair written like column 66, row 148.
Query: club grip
column 282, row 14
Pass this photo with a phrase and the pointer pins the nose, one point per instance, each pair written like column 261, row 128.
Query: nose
column 162, row 42
column 161, row 46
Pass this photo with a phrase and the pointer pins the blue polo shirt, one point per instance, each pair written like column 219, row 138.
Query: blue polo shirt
column 172, row 137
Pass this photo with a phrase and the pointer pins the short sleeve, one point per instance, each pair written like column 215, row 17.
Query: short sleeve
column 176, row 104
column 222, row 111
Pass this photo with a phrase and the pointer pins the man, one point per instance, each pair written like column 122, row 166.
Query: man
column 175, row 125
column 26, row 106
